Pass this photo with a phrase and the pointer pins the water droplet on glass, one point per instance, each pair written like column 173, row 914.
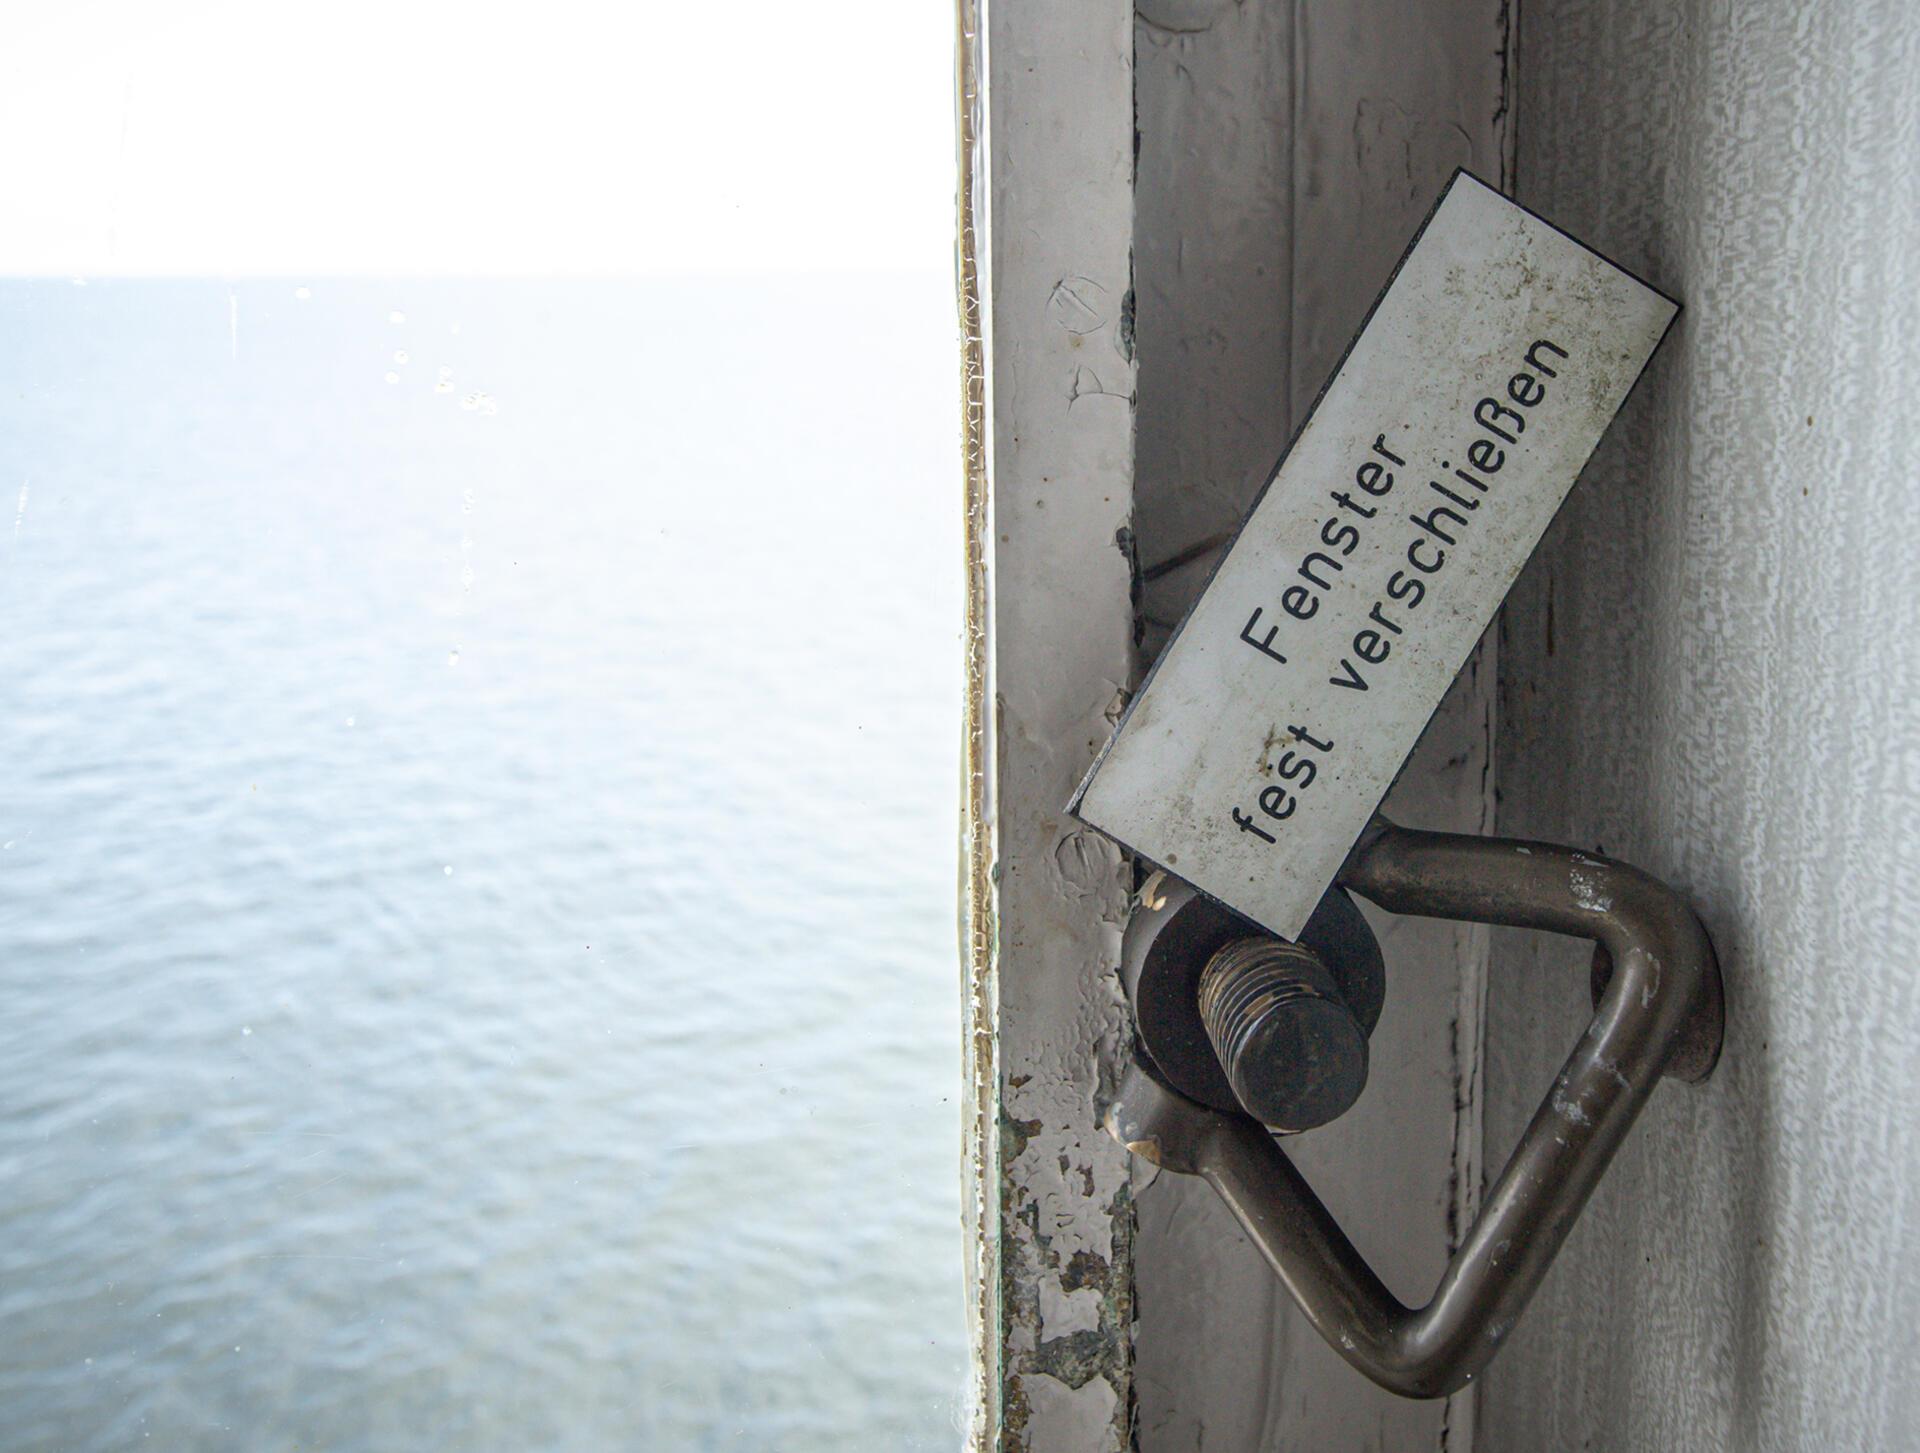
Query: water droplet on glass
column 400, row 356
column 453, row 657
column 349, row 721
column 448, row 870
column 302, row 294
column 392, row 377
column 246, row 1029
column 396, row 316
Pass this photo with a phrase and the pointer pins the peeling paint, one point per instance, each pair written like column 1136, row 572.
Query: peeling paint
column 1086, row 862
column 1078, row 304
column 1184, row 17
column 1570, row 1110
column 1051, row 614
column 1586, row 890
column 1054, row 1414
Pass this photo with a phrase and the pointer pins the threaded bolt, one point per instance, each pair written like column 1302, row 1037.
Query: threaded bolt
column 1294, row 1053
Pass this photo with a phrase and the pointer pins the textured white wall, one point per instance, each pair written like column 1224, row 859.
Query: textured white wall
column 1713, row 669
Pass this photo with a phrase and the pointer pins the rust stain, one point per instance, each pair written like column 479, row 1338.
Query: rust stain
column 981, row 1161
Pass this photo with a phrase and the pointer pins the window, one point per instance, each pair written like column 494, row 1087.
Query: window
column 482, row 723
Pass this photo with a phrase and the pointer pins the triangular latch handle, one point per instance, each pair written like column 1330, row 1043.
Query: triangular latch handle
column 1660, row 1012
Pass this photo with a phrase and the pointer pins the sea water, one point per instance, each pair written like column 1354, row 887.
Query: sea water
column 478, row 779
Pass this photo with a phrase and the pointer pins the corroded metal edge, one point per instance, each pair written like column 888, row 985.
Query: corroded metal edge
column 980, row 1162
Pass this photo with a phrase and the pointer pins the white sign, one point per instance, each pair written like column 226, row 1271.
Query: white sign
column 1422, row 479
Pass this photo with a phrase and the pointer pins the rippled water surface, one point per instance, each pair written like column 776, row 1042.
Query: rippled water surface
column 476, row 905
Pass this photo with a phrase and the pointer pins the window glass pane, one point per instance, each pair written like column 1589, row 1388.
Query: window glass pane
column 478, row 863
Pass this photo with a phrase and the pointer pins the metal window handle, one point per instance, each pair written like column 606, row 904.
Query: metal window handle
column 1659, row 1012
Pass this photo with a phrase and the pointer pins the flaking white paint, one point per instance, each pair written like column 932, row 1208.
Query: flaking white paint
column 1062, row 1312
column 1052, row 206
column 1059, row 1415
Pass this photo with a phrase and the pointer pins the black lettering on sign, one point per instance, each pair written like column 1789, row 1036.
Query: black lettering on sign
column 1348, row 677
column 1265, row 644
column 1488, row 410
column 1306, row 569
column 1299, row 602
column 1365, row 596
column 1277, row 802
column 1533, row 358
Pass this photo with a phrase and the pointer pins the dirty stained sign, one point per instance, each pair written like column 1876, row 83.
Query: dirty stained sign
column 1422, row 479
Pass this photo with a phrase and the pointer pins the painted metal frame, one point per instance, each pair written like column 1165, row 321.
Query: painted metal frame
column 1046, row 204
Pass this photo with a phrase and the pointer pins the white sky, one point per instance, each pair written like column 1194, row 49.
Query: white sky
column 422, row 136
